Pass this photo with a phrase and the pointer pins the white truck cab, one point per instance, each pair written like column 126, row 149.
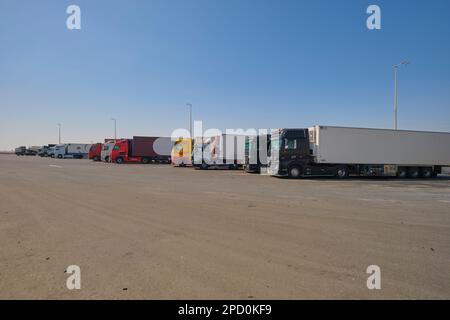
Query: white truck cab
column 106, row 151
column 60, row 151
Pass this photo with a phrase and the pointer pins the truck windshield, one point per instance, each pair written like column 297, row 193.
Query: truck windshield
column 275, row 145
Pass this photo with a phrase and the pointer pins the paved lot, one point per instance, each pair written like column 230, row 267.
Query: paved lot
column 155, row 232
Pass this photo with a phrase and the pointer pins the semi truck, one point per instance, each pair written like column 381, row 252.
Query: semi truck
column 72, row 150
column 20, row 151
column 106, row 150
column 182, row 152
column 95, row 152
column 223, row 151
column 142, row 150
column 45, row 151
column 343, row 151
column 51, row 152
column 24, row 151
column 257, row 149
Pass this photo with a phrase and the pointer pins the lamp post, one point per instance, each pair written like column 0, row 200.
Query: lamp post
column 396, row 67
column 190, row 118
column 59, row 132
column 115, row 128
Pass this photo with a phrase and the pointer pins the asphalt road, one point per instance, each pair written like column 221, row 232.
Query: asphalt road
column 155, row 232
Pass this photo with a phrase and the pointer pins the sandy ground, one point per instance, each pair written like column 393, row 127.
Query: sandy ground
column 152, row 232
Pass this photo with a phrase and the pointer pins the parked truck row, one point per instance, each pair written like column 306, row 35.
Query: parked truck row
column 301, row 152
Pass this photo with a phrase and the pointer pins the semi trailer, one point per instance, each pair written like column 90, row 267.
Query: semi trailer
column 72, row 150
column 223, row 151
column 142, row 150
column 257, row 149
column 344, row 151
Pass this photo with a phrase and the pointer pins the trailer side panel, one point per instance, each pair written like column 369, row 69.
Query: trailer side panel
column 380, row 146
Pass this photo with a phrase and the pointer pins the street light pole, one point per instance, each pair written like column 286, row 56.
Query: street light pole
column 115, row 128
column 59, row 132
column 190, row 118
column 395, row 96
column 396, row 67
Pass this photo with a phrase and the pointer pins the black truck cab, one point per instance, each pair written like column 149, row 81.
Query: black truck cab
column 291, row 155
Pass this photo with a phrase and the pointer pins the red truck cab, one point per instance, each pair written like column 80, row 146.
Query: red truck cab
column 95, row 152
column 120, row 152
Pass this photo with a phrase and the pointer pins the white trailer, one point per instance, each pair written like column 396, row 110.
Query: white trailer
column 379, row 146
column 340, row 151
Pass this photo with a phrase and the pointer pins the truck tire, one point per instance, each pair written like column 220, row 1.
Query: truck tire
column 96, row 158
column 426, row 173
column 342, row 172
column 107, row 159
column 402, row 173
column 145, row 160
column 413, row 173
column 60, row 156
column 294, row 172
column 119, row 160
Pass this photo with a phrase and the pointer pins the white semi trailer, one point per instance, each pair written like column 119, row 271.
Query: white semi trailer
column 342, row 151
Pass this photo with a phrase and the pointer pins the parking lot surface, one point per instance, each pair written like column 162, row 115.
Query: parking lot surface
column 156, row 232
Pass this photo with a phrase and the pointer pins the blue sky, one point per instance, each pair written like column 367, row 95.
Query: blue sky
column 241, row 63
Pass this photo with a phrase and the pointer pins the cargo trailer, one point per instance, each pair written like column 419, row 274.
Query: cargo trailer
column 142, row 150
column 344, row 151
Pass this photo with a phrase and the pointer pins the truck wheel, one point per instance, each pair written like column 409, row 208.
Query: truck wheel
column 402, row 173
column 145, row 160
column 119, row 160
column 60, row 156
column 295, row 172
column 204, row 166
column 96, row 158
column 426, row 173
column 106, row 159
column 342, row 172
column 413, row 173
